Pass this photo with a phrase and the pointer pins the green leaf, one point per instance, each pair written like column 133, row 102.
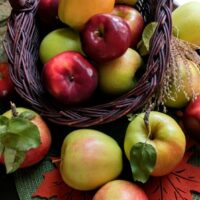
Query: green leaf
column 3, row 125
column 13, row 159
column 21, row 135
column 1, row 148
column 143, row 45
column 142, row 161
column 27, row 115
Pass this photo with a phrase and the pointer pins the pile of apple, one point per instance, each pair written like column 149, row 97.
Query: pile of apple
column 93, row 49
column 96, row 48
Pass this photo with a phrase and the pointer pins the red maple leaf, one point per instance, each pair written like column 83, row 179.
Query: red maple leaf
column 53, row 186
column 178, row 185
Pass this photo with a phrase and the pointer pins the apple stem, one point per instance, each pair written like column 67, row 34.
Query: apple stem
column 146, row 121
column 56, row 161
column 13, row 109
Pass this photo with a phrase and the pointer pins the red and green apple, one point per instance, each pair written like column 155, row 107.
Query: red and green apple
column 105, row 37
column 70, row 78
column 89, row 159
column 118, row 76
column 134, row 19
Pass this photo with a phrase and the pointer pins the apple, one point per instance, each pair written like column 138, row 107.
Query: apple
column 70, row 78
column 6, row 84
column 187, row 28
column 118, row 76
column 134, row 19
column 166, row 136
column 47, row 14
column 58, row 41
column 20, row 136
column 105, row 37
column 120, row 190
column 89, row 159
column 76, row 13
column 191, row 118
column 179, row 96
column 181, row 2
column 127, row 2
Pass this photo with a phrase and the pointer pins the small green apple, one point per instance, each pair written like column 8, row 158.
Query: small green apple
column 118, row 76
column 190, row 76
column 127, row 2
column 89, row 159
column 187, row 28
column 165, row 135
column 58, row 41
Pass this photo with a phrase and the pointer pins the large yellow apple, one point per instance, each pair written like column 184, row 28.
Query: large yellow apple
column 185, row 20
column 89, row 159
column 166, row 136
column 76, row 13
column 190, row 78
column 118, row 76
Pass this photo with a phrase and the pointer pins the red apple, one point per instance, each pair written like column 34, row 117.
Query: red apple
column 191, row 118
column 120, row 190
column 134, row 19
column 34, row 154
column 47, row 14
column 105, row 37
column 6, row 85
column 69, row 77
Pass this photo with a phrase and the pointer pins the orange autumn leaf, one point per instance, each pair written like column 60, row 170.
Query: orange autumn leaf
column 53, row 186
column 177, row 185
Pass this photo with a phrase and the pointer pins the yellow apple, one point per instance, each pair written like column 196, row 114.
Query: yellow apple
column 118, row 76
column 185, row 20
column 190, row 78
column 76, row 13
column 166, row 136
column 127, row 2
column 89, row 159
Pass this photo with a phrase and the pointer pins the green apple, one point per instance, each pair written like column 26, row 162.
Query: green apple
column 127, row 2
column 89, row 159
column 120, row 190
column 190, row 76
column 165, row 135
column 118, row 76
column 187, row 28
column 58, row 41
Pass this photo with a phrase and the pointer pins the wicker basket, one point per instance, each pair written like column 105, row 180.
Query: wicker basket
column 22, row 44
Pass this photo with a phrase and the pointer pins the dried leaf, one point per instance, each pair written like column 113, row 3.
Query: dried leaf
column 178, row 184
column 53, row 186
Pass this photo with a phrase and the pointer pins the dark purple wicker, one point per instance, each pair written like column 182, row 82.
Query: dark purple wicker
column 21, row 45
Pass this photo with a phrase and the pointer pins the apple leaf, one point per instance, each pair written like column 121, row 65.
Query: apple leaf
column 3, row 125
column 13, row 159
column 27, row 115
column 21, row 135
column 143, row 45
column 17, row 136
column 54, row 186
column 142, row 161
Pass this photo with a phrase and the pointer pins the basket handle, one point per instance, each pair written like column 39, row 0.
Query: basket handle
column 16, row 4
